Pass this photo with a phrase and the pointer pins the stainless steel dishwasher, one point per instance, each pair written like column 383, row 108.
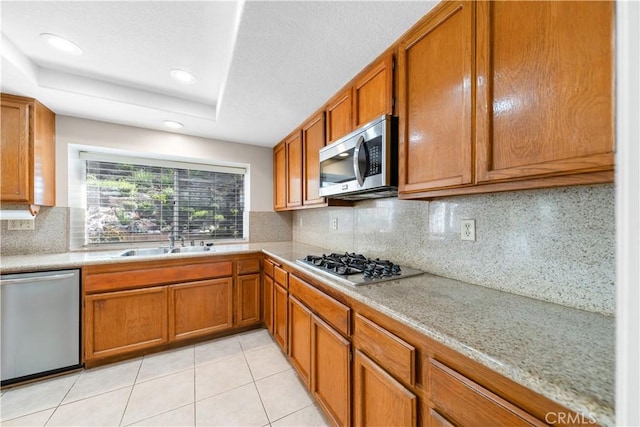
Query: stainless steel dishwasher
column 40, row 324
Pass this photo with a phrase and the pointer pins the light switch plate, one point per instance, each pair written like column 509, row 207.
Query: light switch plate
column 21, row 224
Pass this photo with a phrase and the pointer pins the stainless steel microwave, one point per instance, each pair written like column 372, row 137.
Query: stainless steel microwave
column 362, row 164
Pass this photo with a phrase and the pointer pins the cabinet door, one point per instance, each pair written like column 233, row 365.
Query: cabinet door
column 373, row 92
column 200, row 308
column 545, row 88
column 248, row 299
column 300, row 338
column 339, row 115
column 435, row 71
column 280, row 315
column 380, row 400
column 313, row 140
column 267, row 302
column 279, row 177
column 120, row 322
column 44, row 156
column 294, row 170
column 467, row 403
column 331, row 372
column 16, row 151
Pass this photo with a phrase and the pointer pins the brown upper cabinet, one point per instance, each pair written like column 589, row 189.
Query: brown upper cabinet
column 297, row 167
column 296, row 159
column 293, row 147
column 373, row 91
column 545, row 89
column 340, row 115
column 312, row 141
column 435, row 69
column 28, row 152
column 279, row 177
column 367, row 96
column 536, row 112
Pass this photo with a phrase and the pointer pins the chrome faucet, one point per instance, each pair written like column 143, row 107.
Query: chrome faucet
column 172, row 240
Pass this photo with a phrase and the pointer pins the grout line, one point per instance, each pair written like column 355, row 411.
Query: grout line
column 131, row 392
column 256, row 386
column 162, row 413
column 61, row 400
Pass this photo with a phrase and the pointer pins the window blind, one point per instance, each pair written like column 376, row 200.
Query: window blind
column 128, row 201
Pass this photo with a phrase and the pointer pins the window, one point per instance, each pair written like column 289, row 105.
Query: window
column 136, row 200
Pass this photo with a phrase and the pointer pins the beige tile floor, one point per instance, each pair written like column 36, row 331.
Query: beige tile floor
column 242, row 380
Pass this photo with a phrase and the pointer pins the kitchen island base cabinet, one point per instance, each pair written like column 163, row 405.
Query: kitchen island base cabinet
column 125, row 321
column 200, row 308
column 380, row 400
column 331, row 372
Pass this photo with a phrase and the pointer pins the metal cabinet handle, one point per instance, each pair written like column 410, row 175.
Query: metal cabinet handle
column 36, row 279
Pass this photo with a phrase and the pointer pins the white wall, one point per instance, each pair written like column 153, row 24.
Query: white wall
column 627, row 213
column 145, row 142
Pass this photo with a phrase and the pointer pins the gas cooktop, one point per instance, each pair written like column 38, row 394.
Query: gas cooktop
column 357, row 269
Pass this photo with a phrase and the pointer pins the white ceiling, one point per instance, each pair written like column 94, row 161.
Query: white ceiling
column 262, row 66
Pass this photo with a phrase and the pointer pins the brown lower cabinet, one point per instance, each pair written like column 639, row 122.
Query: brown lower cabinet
column 300, row 338
column 380, row 400
column 248, row 299
column 136, row 307
column 200, row 308
column 280, row 316
column 331, row 371
column 267, row 302
column 464, row 402
column 365, row 369
column 120, row 322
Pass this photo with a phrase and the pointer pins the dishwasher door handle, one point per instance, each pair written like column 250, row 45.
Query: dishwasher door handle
column 36, row 279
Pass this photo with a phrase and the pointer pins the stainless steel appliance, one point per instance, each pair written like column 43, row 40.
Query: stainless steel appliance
column 362, row 164
column 40, row 324
column 356, row 269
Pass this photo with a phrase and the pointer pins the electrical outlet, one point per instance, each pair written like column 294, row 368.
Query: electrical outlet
column 21, row 224
column 334, row 223
column 468, row 229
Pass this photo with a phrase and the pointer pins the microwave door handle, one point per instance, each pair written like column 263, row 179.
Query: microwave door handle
column 356, row 162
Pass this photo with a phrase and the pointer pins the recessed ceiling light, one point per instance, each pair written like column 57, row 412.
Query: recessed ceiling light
column 61, row 44
column 183, row 76
column 172, row 124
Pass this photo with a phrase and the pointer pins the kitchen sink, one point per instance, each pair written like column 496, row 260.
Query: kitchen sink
column 190, row 249
column 163, row 251
column 145, row 252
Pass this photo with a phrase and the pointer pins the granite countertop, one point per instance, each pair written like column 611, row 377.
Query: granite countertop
column 565, row 354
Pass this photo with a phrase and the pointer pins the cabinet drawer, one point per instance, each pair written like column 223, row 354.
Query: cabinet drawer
column 469, row 404
column 393, row 354
column 332, row 311
column 268, row 267
column 280, row 276
column 247, row 266
column 152, row 276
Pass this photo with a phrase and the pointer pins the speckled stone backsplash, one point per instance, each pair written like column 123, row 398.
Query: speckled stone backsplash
column 556, row 245
column 51, row 234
